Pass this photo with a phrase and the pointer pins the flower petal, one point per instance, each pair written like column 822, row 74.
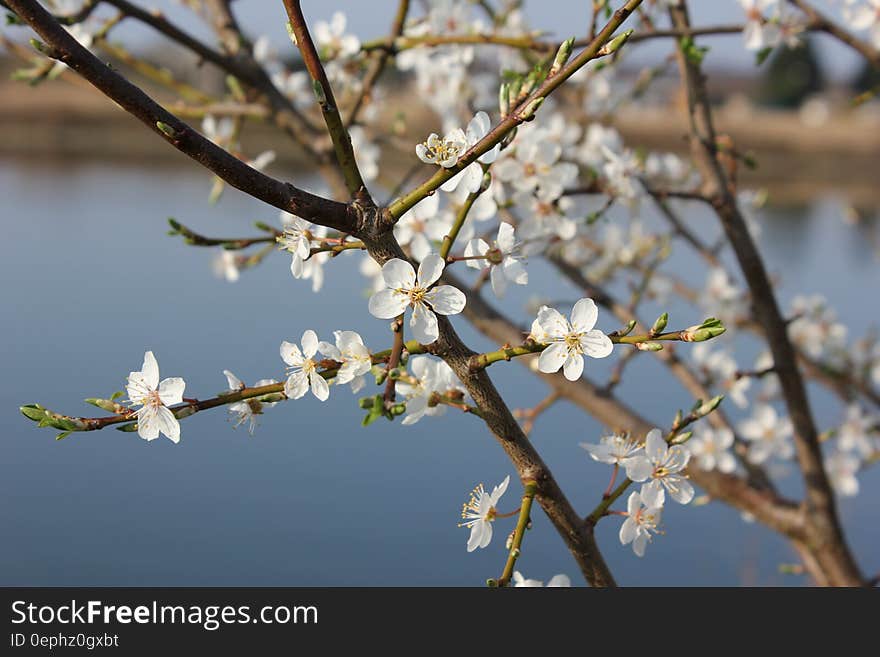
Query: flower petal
column 430, row 270
column 596, row 344
column 297, row 385
column 423, row 324
column 446, row 300
column 150, row 370
column 319, row 386
column 309, row 343
column 574, row 366
column 168, row 424
column 398, row 274
column 171, row 390
column 655, row 446
column 291, row 354
column 553, row 357
column 388, row 304
column 584, row 315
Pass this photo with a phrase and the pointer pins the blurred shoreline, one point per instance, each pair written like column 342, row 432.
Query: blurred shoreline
column 800, row 155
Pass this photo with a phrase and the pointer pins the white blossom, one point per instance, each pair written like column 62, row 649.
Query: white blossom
column 759, row 33
column 642, row 521
column 535, row 168
column 502, row 258
column 429, row 375
column 661, row 466
column 225, row 265
column 864, row 15
column 616, row 449
column 304, row 368
column 842, row 468
column 422, row 226
column 154, row 397
column 721, row 370
column 768, row 433
column 479, row 512
column 247, row 410
column 331, row 39
column 442, row 152
column 710, row 448
column 854, row 435
column 296, row 240
column 556, row 581
column 470, row 179
column 570, row 341
column 353, row 354
column 406, row 289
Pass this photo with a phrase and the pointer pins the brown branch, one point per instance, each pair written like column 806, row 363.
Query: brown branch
column 63, row 47
column 767, row 507
column 338, row 133
column 826, row 536
column 822, row 23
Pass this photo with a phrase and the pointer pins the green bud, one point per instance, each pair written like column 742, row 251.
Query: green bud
column 628, row 328
column 105, row 404
column 394, row 374
column 504, row 99
column 677, row 421
column 681, row 438
column 186, row 411
column 398, row 409
column 660, row 324
column 709, row 406
column 710, row 328
column 166, row 130
column 649, row 346
column 528, row 113
column 33, row 412
column 492, row 583
column 44, row 48
column 365, row 403
column 562, row 56
column 63, row 435
column 319, row 92
column 615, row 44
column 116, row 395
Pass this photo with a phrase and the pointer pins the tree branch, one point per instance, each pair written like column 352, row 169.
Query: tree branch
column 63, row 47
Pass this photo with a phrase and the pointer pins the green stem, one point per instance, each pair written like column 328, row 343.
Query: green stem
column 531, row 488
column 449, row 240
column 70, row 423
column 482, row 361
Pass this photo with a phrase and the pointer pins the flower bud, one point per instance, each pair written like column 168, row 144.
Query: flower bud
column 528, row 113
column 106, row 404
column 681, row 438
column 166, row 129
column 504, row 99
column 660, row 324
column 709, row 406
column 615, row 44
column 562, row 56
column 649, row 346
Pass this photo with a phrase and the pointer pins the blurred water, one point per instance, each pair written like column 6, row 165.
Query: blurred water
column 91, row 281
